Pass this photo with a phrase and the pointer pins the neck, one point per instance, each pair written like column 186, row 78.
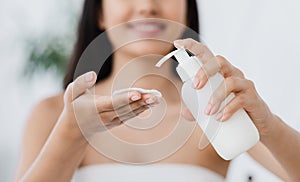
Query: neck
column 141, row 72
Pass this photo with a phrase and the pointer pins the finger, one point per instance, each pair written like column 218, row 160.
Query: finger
column 108, row 103
column 186, row 113
column 135, row 105
column 199, row 50
column 228, row 86
column 124, row 99
column 202, row 53
column 215, row 65
column 134, row 113
column 233, row 106
column 205, row 72
column 111, row 117
column 80, row 85
column 150, row 98
column 211, row 64
column 147, row 99
column 117, row 121
column 227, row 69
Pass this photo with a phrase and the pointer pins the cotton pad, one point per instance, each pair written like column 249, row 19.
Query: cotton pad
column 143, row 91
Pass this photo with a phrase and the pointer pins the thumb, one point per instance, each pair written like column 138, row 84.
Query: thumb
column 80, row 85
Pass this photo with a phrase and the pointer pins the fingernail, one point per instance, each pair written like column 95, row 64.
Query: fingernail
column 150, row 101
column 196, row 82
column 89, row 77
column 208, row 108
column 177, row 43
column 135, row 97
column 214, row 108
column 219, row 116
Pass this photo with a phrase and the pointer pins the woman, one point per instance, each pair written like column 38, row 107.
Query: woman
column 54, row 148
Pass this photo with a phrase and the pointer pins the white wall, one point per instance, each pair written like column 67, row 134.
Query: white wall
column 260, row 37
column 21, row 20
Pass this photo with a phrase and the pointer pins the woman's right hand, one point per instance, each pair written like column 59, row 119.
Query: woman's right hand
column 94, row 113
column 245, row 95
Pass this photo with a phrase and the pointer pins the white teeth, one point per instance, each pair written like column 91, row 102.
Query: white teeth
column 147, row 28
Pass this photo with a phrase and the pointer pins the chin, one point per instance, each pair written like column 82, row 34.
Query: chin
column 147, row 47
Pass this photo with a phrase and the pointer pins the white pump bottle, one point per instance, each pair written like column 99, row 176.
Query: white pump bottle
column 232, row 137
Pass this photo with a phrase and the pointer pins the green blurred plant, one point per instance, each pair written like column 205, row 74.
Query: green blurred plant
column 49, row 55
column 50, row 51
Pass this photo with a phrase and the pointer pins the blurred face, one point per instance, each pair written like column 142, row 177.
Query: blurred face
column 141, row 27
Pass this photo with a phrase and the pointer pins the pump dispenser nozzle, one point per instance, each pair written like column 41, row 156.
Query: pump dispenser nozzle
column 187, row 67
column 180, row 54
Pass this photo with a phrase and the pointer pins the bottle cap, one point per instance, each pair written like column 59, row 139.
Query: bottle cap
column 187, row 67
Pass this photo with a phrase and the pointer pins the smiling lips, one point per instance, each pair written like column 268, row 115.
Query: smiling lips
column 147, row 28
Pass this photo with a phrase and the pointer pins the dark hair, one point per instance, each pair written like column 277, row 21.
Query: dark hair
column 88, row 30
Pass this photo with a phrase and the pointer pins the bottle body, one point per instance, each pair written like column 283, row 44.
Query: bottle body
column 229, row 138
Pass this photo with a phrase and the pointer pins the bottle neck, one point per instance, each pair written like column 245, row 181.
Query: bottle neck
column 188, row 69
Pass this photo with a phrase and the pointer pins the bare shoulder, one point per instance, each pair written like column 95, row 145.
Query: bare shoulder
column 46, row 112
column 37, row 129
column 42, row 119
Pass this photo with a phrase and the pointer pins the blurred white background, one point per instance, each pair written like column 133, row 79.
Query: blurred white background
column 258, row 36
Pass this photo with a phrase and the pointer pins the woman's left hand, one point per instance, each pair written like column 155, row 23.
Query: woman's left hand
column 246, row 96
